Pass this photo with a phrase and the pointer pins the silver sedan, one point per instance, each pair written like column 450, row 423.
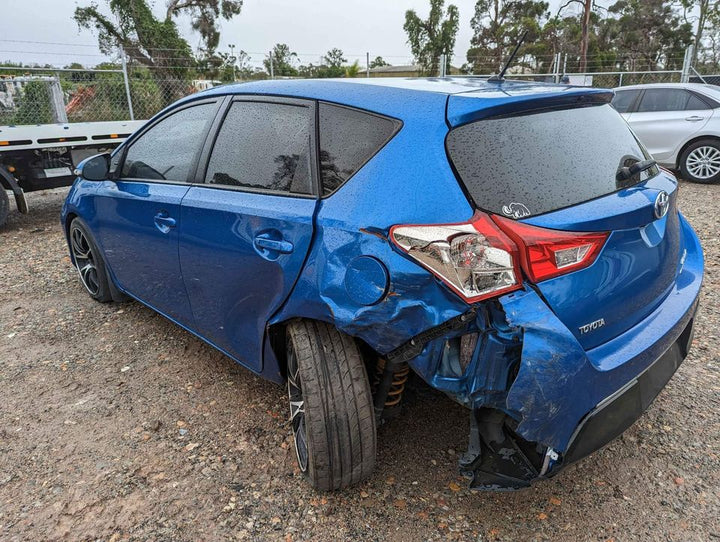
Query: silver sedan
column 679, row 123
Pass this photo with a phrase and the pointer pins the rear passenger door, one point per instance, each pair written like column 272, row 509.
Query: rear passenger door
column 246, row 230
column 667, row 117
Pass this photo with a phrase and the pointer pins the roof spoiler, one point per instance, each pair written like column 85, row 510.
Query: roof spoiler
column 477, row 105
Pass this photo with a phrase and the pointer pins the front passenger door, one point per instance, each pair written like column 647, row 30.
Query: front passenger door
column 138, row 214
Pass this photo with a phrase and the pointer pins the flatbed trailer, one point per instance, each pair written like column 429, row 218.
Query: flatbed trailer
column 44, row 156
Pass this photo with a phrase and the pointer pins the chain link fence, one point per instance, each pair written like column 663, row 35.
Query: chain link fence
column 42, row 96
column 50, row 95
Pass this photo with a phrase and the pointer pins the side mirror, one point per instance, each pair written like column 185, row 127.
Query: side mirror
column 95, row 168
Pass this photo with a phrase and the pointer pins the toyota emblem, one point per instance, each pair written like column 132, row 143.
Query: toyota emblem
column 662, row 204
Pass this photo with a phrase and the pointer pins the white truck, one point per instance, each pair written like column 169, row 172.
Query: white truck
column 44, row 156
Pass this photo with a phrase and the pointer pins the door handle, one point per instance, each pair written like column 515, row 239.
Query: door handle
column 164, row 222
column 694, row 118
column 262, row 241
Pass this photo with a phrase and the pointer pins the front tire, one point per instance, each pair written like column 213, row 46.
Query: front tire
column 700, row 162
column 89, row 262
column 331, row 406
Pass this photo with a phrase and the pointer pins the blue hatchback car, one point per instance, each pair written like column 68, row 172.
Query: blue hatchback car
column 510, row 242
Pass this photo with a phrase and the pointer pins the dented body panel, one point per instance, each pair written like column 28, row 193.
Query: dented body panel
column 540, row 363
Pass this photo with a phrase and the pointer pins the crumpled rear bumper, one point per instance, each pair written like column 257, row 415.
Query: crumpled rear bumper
column 562, row 401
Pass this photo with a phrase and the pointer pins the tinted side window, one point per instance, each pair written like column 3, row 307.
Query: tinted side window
column 624, row 99
column 348, row 139
column 695, row 103
column 264, row 146
column 169, row 149
column 663, row 99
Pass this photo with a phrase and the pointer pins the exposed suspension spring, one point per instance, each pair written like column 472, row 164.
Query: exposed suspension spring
column 397, row 386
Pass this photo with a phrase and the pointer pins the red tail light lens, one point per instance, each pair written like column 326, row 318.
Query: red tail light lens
column 548, row 253
column 476, row 259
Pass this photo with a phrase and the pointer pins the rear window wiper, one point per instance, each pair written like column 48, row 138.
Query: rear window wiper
column 625, row 172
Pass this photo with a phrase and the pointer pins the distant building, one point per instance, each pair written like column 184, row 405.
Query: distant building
column 204, row 84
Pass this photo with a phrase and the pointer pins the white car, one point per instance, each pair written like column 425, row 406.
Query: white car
column 679, row 123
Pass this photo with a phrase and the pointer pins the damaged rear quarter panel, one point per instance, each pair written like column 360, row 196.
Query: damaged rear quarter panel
column 408, row 182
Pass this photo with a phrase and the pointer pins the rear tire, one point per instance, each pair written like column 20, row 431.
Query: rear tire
column 331, row 406
column 89, row 262
column 700, row 162
column 4, row 206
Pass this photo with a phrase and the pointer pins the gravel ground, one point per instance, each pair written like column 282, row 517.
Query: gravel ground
column 117, row 425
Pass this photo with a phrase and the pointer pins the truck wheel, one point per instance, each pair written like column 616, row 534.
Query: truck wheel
column 4, row 206
column 700, row 162
column 331, row 408
column 89, row 262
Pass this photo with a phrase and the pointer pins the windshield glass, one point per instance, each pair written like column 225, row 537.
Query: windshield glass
column 531, row 164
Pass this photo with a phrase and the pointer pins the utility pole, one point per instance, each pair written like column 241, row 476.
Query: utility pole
column 367, row 64
column 233, row 59
column 272, row 73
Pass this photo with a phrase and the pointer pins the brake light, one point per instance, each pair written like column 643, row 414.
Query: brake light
column 476, row 259
column 545, row 253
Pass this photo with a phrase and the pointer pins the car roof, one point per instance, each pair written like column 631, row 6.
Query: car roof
column 691, row 86
column 401, row 96
column 443, row 85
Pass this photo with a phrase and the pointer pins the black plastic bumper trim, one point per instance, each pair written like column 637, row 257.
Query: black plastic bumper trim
column 614, row 415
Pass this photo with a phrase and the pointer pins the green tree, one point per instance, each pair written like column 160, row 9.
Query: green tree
column 564, row 35
column 333, row 64
column 34, row 104
column 334, row 58
column 587, row 9
column 378, row 62
column 282, row 61
column 155, row 43
column 433, row 36
column 204, row 16
column 497, row 27
column 650, row 34
column 704, row 15
column 352, row 70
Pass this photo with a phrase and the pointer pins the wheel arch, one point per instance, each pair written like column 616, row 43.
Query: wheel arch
column 695, row 139
column 274, row 351
column 66, row 230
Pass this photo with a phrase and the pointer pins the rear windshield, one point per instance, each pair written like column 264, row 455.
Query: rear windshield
column 531, row 164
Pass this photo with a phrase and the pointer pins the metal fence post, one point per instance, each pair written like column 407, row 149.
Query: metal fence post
column 558, row 56
column 620, row 81
column 57, row 100
column 127, row 83
column 272, row 72
column 685, row 75
column 367, row 64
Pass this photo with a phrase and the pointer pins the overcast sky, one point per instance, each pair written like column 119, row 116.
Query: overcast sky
column 309, row 27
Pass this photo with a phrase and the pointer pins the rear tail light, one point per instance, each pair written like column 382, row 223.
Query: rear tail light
column 482, row 258
column 476, row 259
column 548, row 253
